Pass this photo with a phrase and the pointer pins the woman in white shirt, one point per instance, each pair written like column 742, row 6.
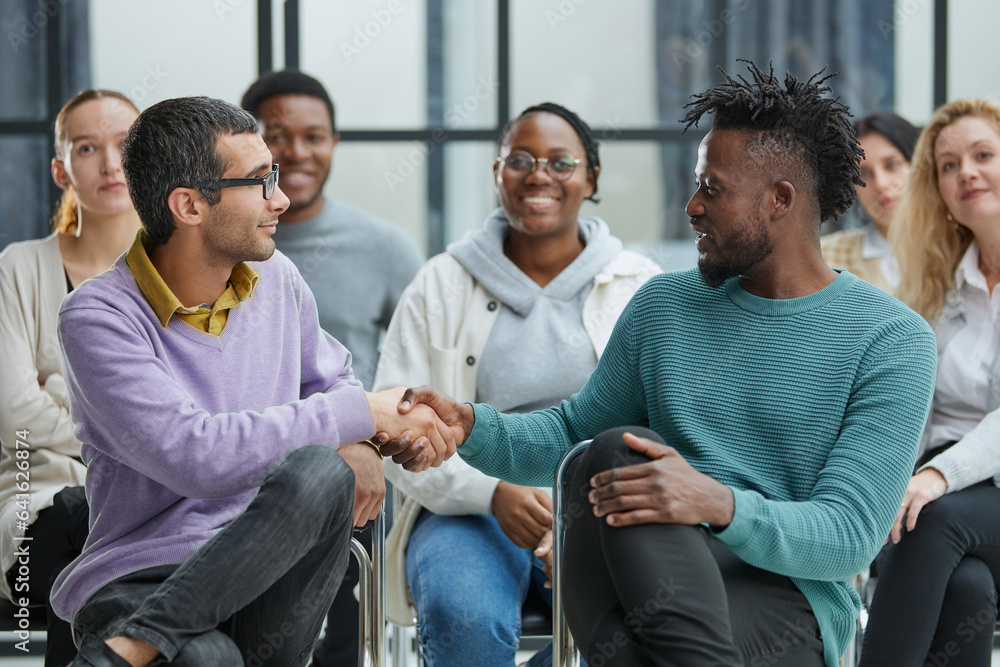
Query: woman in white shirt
column 42, row 503
column 936, row 593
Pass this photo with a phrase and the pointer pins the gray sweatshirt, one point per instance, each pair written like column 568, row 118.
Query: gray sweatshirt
column 357, row 265
column 538, row 352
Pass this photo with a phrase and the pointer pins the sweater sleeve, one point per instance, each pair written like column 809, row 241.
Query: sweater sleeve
column 127, row 399
column 973, row 458
column 24, row 402
column 527, row 448
column 840, row 528
column 455, row 487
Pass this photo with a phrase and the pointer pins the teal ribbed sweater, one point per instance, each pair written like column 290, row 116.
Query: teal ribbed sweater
column 809, row 409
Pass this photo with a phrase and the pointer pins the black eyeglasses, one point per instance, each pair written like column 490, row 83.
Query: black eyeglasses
column 268, row 181
column 559, row 166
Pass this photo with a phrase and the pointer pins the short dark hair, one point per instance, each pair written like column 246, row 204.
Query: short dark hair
column 173, row 145
column 579, row 126
column 897, row 131
column 797, row 124
column 285, row 82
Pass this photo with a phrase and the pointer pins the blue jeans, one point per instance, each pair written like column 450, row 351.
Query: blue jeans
column 469, row 582
column 254, row 594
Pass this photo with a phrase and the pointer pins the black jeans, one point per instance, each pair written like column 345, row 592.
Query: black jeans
column 935, row 601
column 256, row 592
column 57, row 537
column 659, row 594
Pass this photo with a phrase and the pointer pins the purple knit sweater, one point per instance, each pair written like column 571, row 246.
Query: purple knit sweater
column 179, row 426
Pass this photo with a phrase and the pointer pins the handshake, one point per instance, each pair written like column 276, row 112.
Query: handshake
column 419, row 428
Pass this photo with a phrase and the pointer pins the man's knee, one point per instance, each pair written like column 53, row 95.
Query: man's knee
column 312, row 476
column 608, row 450
column 210, row 648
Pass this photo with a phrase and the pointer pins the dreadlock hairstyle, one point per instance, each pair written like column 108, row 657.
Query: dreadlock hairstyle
column 796, row 124
column 579, row 126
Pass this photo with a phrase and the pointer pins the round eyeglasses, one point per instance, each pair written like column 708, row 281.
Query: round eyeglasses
column 519, row 164
column 268, row 181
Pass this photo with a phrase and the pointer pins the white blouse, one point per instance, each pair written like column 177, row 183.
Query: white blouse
column 961, row 392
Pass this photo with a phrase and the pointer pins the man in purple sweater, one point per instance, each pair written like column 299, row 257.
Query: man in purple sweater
column 223, row 429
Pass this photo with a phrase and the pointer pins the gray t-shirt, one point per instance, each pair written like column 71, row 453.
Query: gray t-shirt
column 357, row 266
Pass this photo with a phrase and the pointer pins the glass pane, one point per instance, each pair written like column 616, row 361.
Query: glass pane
column 595, row 58
column 470, row 64
column 218, row 58
column 372, row 56
column 24, row 171
column 469, row 191
column 629, row 191
column 638, row 62
column 388, row 179
column 22, row 65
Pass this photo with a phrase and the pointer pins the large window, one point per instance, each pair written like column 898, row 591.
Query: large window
column 422, row 87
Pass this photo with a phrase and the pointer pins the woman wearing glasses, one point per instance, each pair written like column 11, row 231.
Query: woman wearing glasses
column 515, row 314
column 41, row 477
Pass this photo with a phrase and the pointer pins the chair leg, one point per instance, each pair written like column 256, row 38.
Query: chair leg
column 564, row 651
column 371, row 620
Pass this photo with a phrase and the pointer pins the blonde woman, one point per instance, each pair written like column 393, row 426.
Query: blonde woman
column 41, row 476
column 936, row 594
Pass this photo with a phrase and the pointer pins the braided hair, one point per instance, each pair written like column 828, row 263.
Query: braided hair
column 581, row 128
column 796, row 124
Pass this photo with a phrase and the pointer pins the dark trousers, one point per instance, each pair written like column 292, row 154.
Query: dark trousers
column 659, row 594
column 255, row 593
column 936, row 601
column 57, row 537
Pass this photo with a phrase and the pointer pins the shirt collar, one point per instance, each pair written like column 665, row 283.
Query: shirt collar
column 160, row 297
column 968, row 272
column 873, row 244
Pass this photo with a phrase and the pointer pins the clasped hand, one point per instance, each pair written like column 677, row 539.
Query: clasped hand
column 445, row 423
column 414, row 437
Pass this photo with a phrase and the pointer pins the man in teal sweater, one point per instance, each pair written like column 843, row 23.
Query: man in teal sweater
column 773, row 408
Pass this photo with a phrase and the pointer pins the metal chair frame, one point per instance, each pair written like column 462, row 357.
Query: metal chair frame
column 564, row 651
column 371, row 620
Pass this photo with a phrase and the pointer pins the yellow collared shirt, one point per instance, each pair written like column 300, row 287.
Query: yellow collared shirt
column 208, row 318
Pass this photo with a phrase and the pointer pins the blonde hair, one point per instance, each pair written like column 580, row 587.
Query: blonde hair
column 927, row 244
column 66, row 217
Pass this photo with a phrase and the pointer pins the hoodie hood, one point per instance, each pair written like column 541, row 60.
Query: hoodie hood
column 481, row 254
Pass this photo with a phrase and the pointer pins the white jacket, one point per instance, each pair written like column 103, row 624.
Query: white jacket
column 33, row 394
column 436, row 336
